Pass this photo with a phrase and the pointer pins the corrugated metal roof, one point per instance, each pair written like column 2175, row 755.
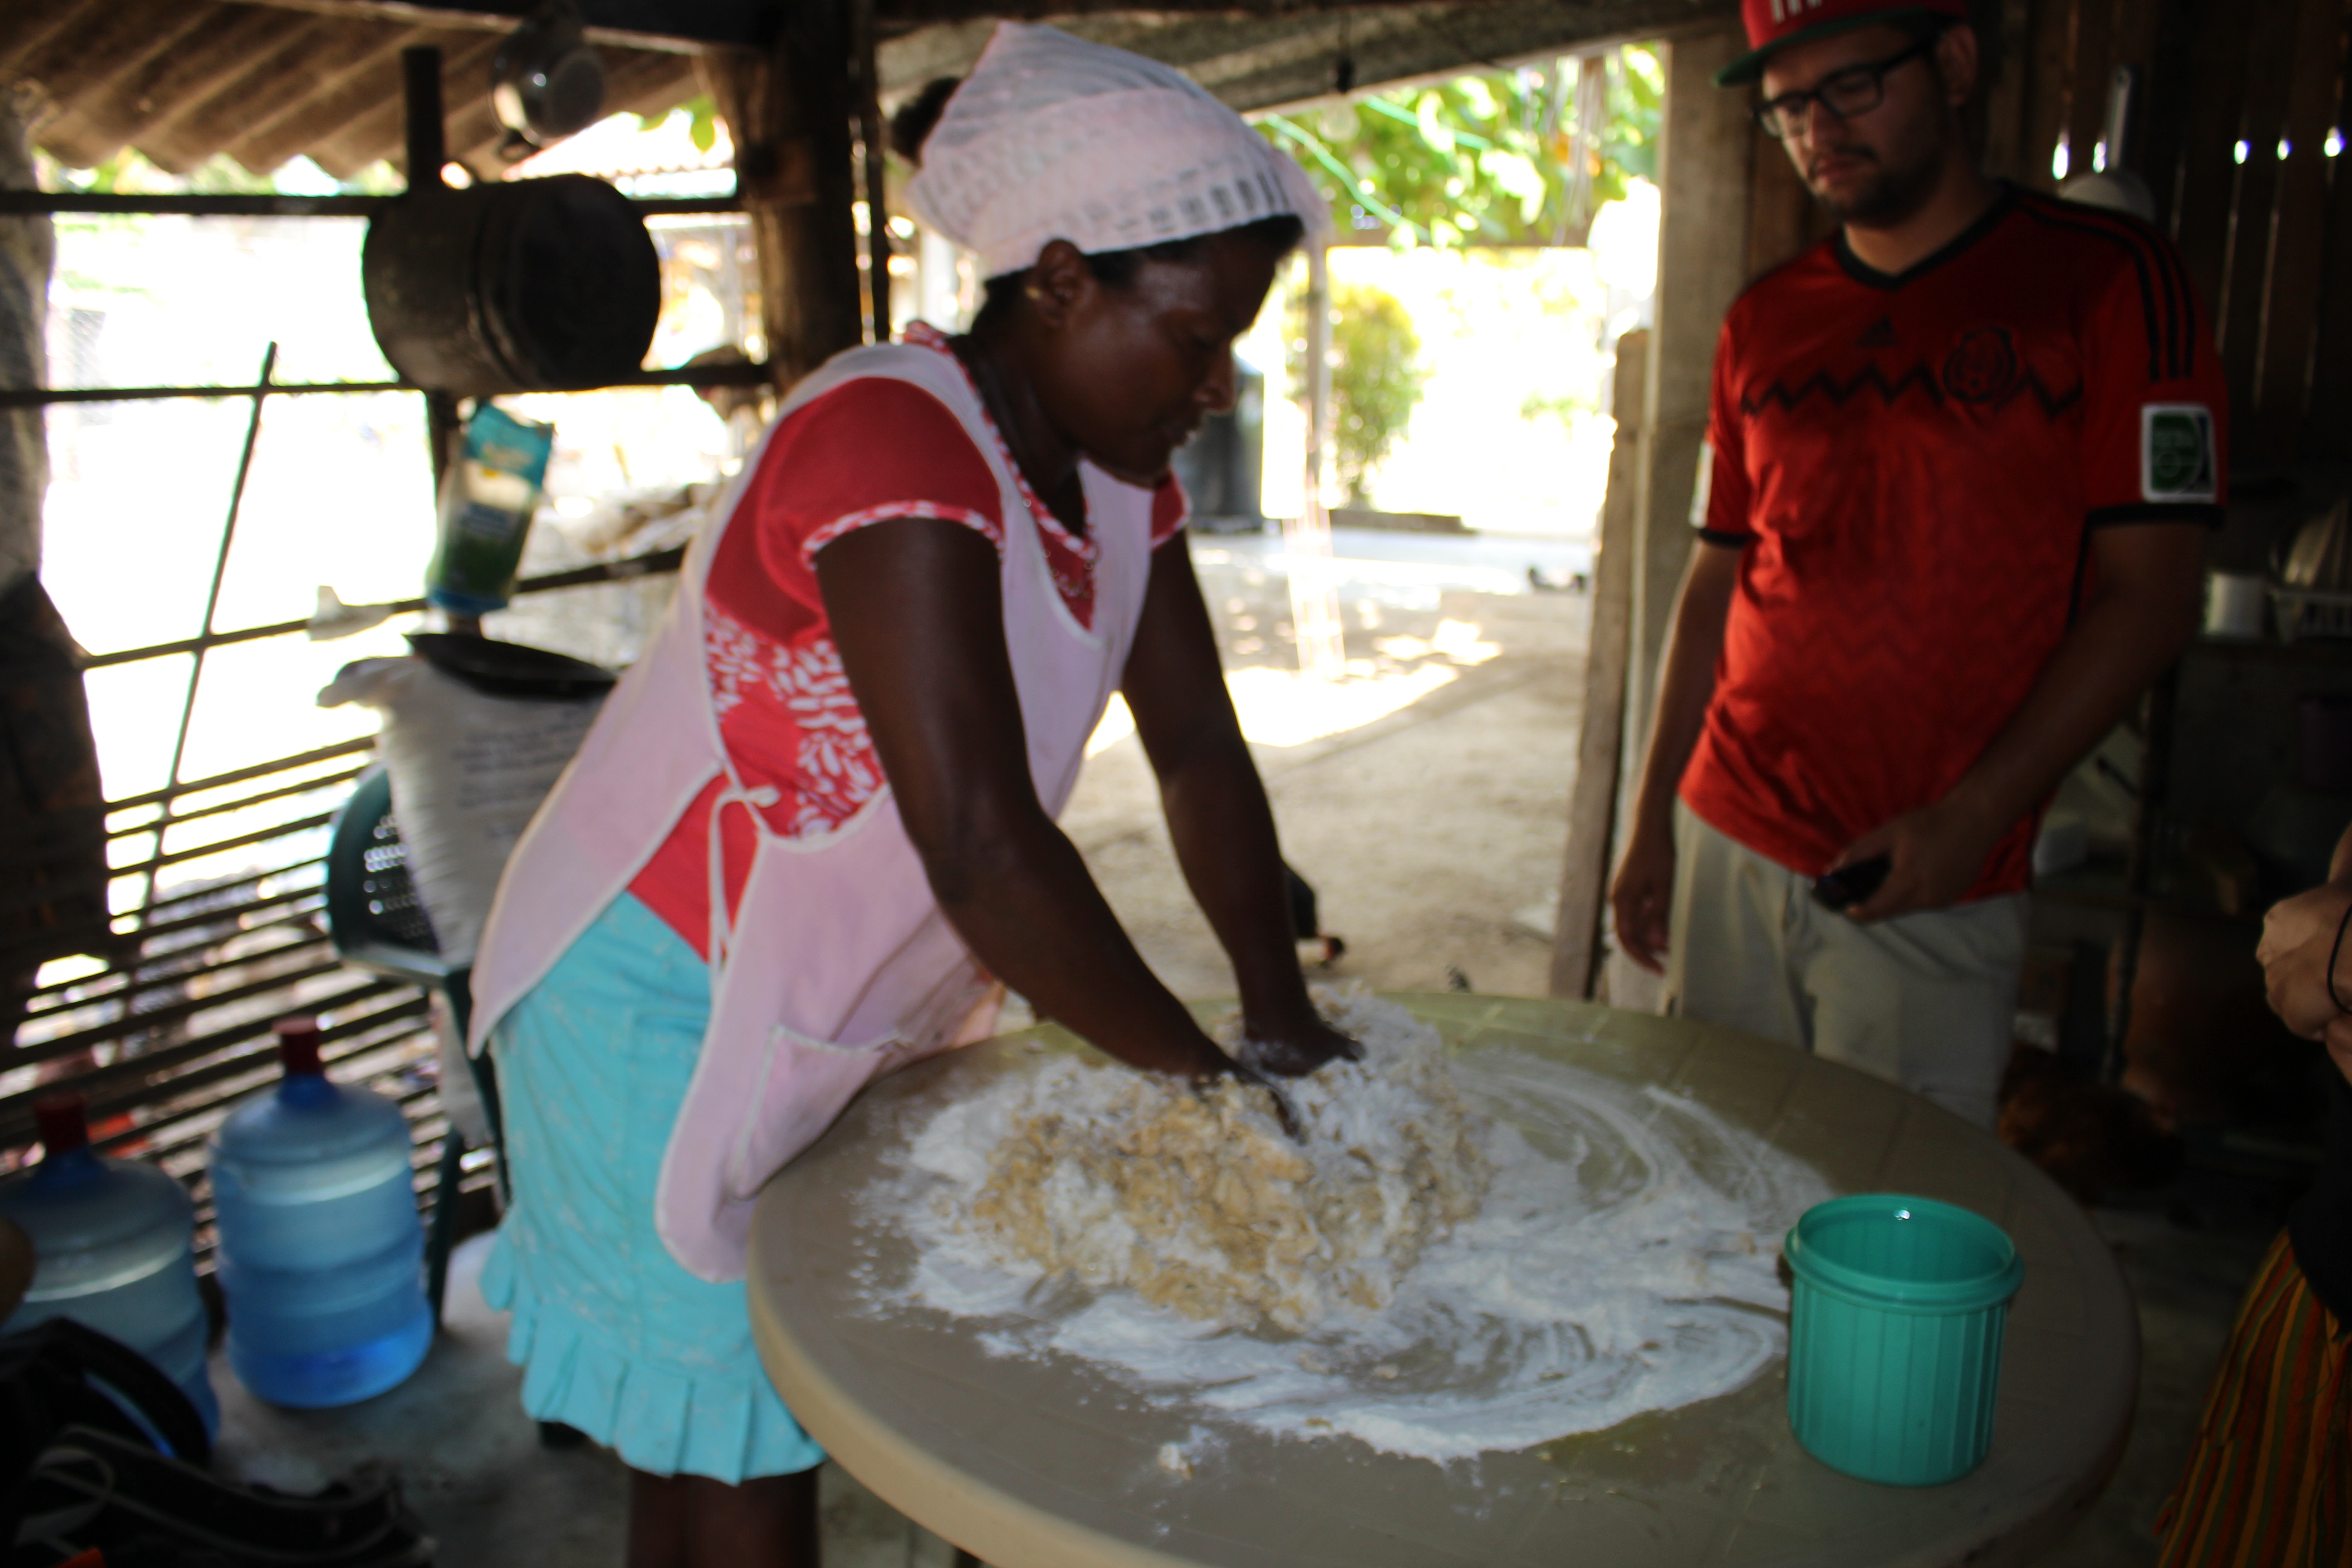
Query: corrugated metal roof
column 263, row 80
column 184, row 79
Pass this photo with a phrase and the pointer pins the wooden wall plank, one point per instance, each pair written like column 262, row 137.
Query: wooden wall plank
column 2005, row 41
column 2246, row 278
column 1706, row 161
column 2281, row 378
column 2207, row 184
column 2328, row 418
column 2173, row 73
column 2134, row 29
column 2048, row 62
column 2089, row 63
column 1592, row 801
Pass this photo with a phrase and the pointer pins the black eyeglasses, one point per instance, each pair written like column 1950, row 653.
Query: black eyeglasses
column 1857, row 90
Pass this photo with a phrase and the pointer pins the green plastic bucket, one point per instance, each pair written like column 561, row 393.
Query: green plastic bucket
column 1895, row 1330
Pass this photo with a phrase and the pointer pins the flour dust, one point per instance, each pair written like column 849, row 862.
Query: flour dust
column 1466, row 1253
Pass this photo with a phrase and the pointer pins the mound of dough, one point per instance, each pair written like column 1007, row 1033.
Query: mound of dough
column 1200, row 1201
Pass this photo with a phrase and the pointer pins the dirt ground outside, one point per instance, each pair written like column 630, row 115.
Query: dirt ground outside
column 1431, row 819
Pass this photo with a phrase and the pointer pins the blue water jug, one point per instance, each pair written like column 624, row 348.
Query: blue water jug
column 112, row 1248
column 319, row 1241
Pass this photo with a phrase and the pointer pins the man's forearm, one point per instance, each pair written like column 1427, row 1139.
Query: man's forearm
column 2126, row 636
column 1694, row 648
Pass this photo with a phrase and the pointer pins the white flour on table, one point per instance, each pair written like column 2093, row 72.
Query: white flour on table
column 1552, row 1252
column 1199, row 1201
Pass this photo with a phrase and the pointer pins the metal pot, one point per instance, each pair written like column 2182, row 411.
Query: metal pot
column 522, row 286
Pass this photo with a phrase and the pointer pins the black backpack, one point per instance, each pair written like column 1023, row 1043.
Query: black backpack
column 100, row 1452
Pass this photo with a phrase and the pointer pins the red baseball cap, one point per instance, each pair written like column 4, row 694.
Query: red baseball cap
column 1773, row 24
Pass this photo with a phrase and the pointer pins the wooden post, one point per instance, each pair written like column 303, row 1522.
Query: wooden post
column 1592, row 804
column 1307, row 541
column 1706, row 163
column 1727, row 210
column 873, row 157
column 789, row 112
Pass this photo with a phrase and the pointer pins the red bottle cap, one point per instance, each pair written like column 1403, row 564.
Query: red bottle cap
column 298, row 1045
column 64, row 1123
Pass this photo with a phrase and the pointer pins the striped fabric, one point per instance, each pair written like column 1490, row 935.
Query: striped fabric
column 2269, row 1484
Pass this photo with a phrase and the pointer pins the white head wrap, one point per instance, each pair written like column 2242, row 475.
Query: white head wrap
column 1050, row 137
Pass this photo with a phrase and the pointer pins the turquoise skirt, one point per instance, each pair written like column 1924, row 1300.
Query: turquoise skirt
column 615, row 1338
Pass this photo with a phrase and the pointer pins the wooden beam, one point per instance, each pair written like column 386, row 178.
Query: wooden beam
column 688, row 26
column 1592, row 801
column 907, row 13
column 1288, row 56
column 789, row 111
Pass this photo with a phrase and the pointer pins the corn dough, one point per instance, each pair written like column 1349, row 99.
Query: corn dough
column 1199, row 1201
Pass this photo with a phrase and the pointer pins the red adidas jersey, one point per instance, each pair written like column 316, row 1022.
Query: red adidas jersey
column 1912, row 466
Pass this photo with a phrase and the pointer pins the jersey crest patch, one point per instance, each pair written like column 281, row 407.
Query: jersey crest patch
column 2177, row 461
column 1981, row 367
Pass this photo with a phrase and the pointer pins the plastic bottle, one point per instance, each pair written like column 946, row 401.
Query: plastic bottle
column 487, row 501
column 319, row 1240
column 114, row 1249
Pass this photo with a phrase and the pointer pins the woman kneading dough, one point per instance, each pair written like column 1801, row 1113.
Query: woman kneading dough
column 817, row 816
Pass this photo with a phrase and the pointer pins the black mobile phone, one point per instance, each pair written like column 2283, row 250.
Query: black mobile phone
column 1850, row 885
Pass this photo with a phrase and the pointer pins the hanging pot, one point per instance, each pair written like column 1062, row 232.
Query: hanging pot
column 544, row 285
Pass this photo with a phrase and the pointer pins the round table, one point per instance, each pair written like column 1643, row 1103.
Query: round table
column 1031, row 1464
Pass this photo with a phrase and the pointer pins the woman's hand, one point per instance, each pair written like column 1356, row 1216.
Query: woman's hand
column 1242, row 1072
column 1296, row 1045
column 2298, row 942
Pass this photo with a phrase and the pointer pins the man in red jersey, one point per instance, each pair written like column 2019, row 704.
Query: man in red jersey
column 1962, row 461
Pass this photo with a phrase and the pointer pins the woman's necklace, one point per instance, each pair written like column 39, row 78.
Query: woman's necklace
column 1066, row 498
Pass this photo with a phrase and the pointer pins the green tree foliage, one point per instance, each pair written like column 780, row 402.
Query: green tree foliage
column 1376, row 379
column 1482, row 158
column 701, row 117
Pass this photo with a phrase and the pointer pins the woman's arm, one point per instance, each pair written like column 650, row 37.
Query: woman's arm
column 1218, row 815
column 917, row 616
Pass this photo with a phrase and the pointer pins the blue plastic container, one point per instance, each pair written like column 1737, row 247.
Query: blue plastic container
column 1895, row 1332
column 320, row 1248
column 112, row 1249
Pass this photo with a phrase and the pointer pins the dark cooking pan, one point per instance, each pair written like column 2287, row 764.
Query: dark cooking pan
column 510, row 670
column 518, row 286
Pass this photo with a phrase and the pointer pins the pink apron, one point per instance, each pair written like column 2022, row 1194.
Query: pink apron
column 848, row 969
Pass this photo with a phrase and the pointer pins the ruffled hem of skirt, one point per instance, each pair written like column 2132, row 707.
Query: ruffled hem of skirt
column 662, row 1422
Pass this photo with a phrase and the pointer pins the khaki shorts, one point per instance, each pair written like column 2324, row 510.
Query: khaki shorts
column 1926, row 1000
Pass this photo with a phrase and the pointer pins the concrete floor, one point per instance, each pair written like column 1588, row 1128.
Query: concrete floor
column 1433, row 836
